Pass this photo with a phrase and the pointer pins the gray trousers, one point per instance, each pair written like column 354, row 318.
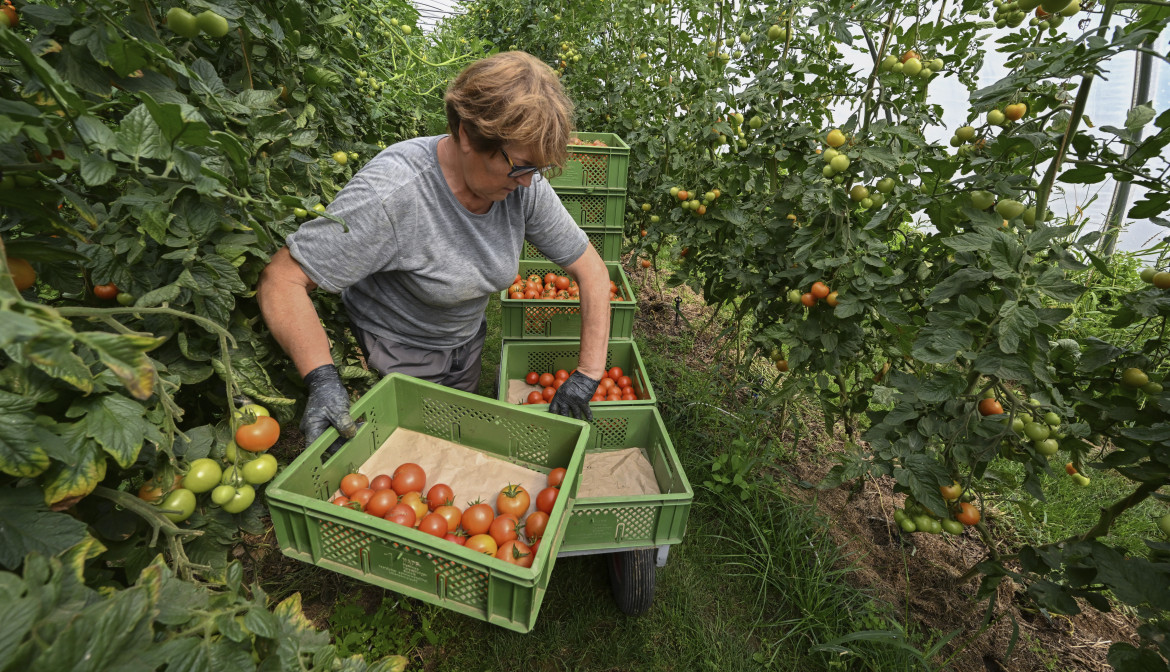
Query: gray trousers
column 457, row 368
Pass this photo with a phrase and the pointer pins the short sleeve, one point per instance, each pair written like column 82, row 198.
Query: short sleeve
column 551, row 228
column 336, row 256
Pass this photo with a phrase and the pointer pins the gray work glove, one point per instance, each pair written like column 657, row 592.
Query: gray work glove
column 572, row 397
column 328, row 404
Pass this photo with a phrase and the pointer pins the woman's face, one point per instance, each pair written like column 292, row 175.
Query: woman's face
column 486, row 173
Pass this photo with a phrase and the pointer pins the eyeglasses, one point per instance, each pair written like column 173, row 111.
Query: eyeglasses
column 521, row 171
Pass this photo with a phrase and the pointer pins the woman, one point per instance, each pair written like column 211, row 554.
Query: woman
column 433, row 227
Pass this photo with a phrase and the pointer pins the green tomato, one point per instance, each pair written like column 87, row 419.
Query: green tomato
column 203, row 475
column 1080, row 479
column 840, row 163
column 1147, row 274
column 877, row 199
column 923, row 522
column 319, row 208
column 300, row 212
column 888, row 63
column 756, row 122
column 340, row 157
column 1047, row 447
column 794, row 295
column 1017, row 424
column 232, row 476
column 1164, row 524
column 885, row 185
column 179, row 505
column 982, row 200
column 245, row 495
column 1052, row 419
column 125, row 298
column 1036, row 431
column 1151, row 388
column 996, row 118
column 260, row 470
column 828, row 172
column 1134, row 377
column 232, row 453
column 1009, row 209
column 222, row 494
column 859, row 192
column 866, row 203
column 654, row 219
column 828, row 154
column 912, row 66
column 211, row 23
column 248, row 413
column 937, row 65
column 951, row 526
column 182, row 22
column 1026, row 417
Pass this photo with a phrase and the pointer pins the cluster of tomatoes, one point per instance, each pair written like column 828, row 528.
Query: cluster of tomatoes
column 818, row 291
column 917, row 518
column 510, row 532
column 231, row 484
column 588, row 143
column 552, row 287
column 613, row 386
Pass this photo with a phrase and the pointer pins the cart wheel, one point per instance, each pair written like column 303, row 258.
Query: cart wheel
column 631, row 578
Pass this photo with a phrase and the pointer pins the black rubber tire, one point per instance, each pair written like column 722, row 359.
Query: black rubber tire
column 631, row 578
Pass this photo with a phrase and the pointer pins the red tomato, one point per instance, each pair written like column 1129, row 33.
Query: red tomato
column 535, row 525
column 409, row 477
column 513, row 499
column 452, row 515
column 615, row 373
column 556, row 477
column 969, row 514
column 439, row 495
column 546, row 498
column 557, row 383
column 258, row 436
column 482, row 543
column 613, row 395
column 546, row 379
column 351, row 483
column 381, row 503
column 433, row 524
column 561, row 374
column 820, row 290
column 106, row 292
column 477, row 518
column 535, row 397
column 516, row 295
column 515, row 552
column 548, row 393
column 401, row 514
column 532, row 277
column 629, row 396
column 456, row 538
column 561, row 282
column 626, row 389
column 503, row 528
column 341, row 500
column 606, row 383
column 624, row 381
column 532, row 378
column 380, row 482
column 531, row 293
column 362, row 497
column 808, row 300
column 550, row 279
column 597, row 396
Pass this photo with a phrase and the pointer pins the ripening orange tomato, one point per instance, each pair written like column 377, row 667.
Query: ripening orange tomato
column 808, row 300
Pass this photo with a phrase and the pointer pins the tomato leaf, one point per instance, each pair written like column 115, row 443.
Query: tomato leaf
column 116, row 423
column 21, row 454
column 1016, row 322
column 78, row 478
column 29, row 526
column 125, row 356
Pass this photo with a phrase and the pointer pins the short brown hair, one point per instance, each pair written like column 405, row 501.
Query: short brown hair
column 512, row 98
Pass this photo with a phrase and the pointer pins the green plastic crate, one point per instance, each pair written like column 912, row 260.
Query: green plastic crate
column 590, row 166
column 310, row 528
column 593, row 209
column 520, row 357
column 632, row 521
column 557, row 319
column 607, row 242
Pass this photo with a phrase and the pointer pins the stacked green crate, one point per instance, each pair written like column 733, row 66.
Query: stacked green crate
column 544, row 336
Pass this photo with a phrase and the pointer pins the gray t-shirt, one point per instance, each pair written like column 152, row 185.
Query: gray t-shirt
column 415, row 266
